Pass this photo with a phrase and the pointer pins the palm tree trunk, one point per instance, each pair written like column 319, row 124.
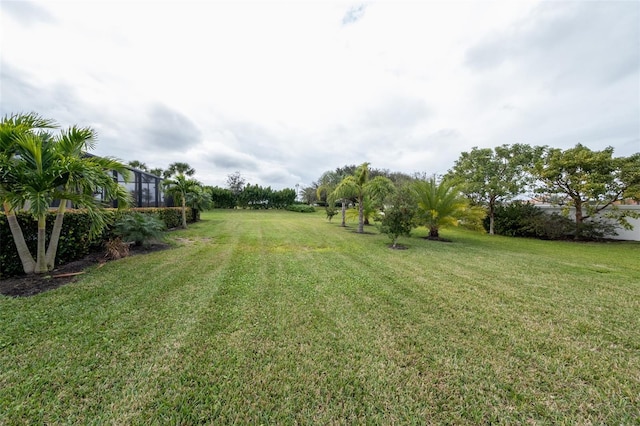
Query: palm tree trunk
column 41, row 265
column 360, row 215
column 28, row 264
column 52, row 250
column 184, row 211
column 434, row 233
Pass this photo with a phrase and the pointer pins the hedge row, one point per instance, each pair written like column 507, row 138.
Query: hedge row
column 301, row 208
column 74, row 241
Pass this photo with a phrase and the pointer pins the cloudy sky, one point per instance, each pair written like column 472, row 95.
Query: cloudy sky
column 283, row 91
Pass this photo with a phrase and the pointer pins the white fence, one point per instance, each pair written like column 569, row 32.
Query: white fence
column 623, row 234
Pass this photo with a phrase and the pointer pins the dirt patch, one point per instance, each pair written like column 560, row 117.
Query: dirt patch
column 29, row 285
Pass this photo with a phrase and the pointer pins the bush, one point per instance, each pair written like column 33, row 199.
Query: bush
column 520, row 219
column 74, row 239
column 397, row 222
column 139, row 228
column 301, row 208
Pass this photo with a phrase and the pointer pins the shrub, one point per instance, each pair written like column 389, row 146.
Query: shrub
column 74, row 239
column 331, row 212
column 301, row 208
column 397, row 222
column 139, row 228
column 520, row 219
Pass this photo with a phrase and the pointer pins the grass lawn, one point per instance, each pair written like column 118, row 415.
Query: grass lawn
column 281, row 317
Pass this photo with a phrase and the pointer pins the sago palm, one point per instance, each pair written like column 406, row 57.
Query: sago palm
column 439, row 204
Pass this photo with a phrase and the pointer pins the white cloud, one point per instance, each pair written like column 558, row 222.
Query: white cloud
column 285, row 91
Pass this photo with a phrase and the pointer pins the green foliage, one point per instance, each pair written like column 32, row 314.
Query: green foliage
column 521, row 219
column 139, row 228
column 301, row 208
column 358, row 186
column 491, row 176
column 515, row 219
column 399, row 218
column 439, row 204
column 331, row 212
column 75, row 239
column 590, row 181
column 222, row 198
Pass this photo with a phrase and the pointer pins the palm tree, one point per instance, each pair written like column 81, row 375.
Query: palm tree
column 10, row 128
column 178, row 169
column 359, row 186
column 199, row 199
column 44, row 168
column 439, row 204
column 179, row 188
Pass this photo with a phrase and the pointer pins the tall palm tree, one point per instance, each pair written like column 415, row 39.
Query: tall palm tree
column 179, row 168
column 359, row 186
column 44, row 168
column 179, row 187
column 439, row 204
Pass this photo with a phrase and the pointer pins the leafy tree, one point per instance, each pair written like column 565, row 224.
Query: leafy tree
column 236, row 183
column 491, row 176
column 398, row 220
column 39, row 168
column 359, row 186
column 591, row 181
column 441, row 204
column 179, row 187
column 138, row 165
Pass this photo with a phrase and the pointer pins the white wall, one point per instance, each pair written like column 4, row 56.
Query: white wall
column 623, row 234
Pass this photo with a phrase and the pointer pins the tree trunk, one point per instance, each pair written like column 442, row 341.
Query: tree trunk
column 579, row 219
column 491, row 219
column 433, row 233
column 41, row 265
column 52, row 250
column 344, row 213
column 28, row 264
column 184, row 211
column 360, row 215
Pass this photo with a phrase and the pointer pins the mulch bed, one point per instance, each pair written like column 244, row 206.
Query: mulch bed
column 29, row 285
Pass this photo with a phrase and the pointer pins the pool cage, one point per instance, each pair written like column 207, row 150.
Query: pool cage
column 145, row 189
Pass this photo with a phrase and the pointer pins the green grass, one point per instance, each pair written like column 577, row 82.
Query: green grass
column 282, row 317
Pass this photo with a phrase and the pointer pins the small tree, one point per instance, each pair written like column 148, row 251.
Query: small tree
column 398, row 220
column 179, row 188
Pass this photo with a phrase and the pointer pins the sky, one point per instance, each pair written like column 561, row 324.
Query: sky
column 284, row 91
